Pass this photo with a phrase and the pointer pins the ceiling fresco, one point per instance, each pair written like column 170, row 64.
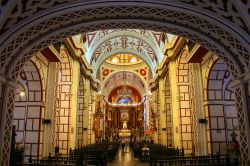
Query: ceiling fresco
column 145, row 44
column 93, row 37
column 124, row 42
column 124, row 56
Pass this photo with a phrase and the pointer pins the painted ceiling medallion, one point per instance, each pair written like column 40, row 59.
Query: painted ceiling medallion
column 143, row 72
column 105, row 72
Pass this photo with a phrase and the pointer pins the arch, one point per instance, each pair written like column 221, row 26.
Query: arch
column 128, row 71
column 211, row 59
column 221, row 108
column 229, row 42
column 28, row 111
column 140, row 88
column 110, row 90
column 114, row 93
column 27, row 32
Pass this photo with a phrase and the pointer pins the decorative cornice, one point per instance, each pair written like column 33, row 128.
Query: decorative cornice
column 192, row 52
column 77, row 48
column 55, row 52
column 174, row 49
column 132, row 66
column 196, row 54
column 161, row 72
column 51, row 54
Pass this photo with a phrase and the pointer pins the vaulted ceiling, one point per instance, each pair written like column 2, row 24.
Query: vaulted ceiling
column 124, row 56
column 146, row 45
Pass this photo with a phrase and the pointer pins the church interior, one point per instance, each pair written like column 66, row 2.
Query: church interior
column 70, row 94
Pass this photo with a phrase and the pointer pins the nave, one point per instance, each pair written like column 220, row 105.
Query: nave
column 127, row 158
column 127, row 154
column 138, row 96
column 77, row 73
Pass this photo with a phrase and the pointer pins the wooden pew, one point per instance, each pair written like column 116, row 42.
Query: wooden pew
column 92, row 154
column 190, row 160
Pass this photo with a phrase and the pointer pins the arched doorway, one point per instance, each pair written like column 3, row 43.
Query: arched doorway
column 29, row 111
column 221, row 109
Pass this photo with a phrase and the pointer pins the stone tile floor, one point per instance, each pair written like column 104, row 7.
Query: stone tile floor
column 126, row 158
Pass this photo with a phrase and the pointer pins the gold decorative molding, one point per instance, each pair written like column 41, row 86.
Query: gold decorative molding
column 173, row 50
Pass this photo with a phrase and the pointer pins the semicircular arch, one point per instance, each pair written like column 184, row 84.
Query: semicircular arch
column 35, row 33
column 110, row 90
column 23, row 33
column 126, row 71
column 133, row 79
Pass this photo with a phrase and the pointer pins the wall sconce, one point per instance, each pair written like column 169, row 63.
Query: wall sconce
column 22, row 93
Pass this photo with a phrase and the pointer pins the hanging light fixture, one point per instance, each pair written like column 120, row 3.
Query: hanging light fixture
column 133, row 59
column 114, row 60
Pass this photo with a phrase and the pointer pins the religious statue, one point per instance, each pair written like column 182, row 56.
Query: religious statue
column 124, row 125
column 124, row 119
column 136, row 100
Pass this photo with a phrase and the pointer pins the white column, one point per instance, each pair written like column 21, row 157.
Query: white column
column 74, row 102
column 175, row 104
column 146, row 112
column 199, row 110
column 7, row 110
column 50, row 108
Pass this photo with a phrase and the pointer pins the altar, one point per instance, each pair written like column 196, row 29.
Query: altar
column 124, row 133
column 124, row 115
